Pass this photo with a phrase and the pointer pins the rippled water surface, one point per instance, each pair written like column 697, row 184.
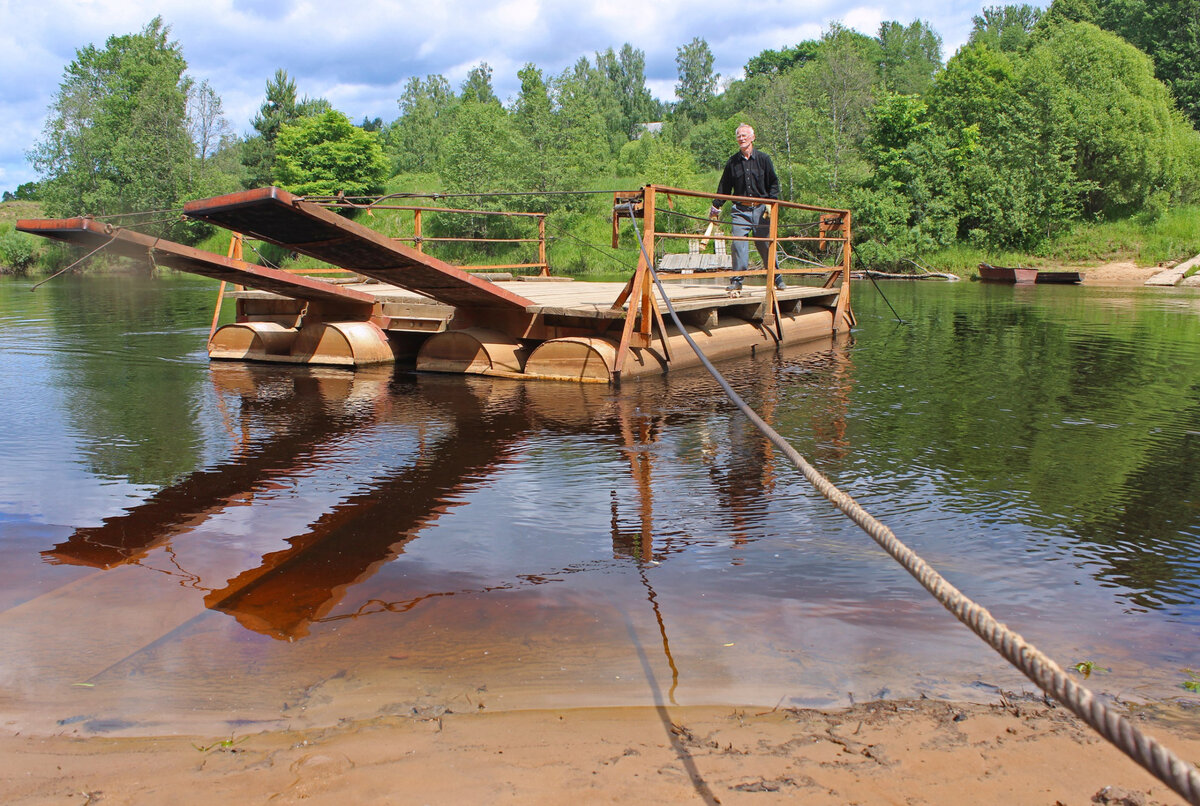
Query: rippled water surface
column 193, row 546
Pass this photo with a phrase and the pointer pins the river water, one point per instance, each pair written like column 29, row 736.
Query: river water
column 194, row 546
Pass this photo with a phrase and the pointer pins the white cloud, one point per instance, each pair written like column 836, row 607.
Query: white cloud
column 359, row 55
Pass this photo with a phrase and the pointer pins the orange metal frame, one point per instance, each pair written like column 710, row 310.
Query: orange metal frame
column 643, row 315
column 418, row 239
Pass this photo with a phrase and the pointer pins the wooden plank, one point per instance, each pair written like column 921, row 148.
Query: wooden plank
column 574, row 299
column 1173, row 275
column 685, row 263
column 703, row 318
column 410, row 324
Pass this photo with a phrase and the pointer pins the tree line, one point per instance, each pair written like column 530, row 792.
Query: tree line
column 1085, row 110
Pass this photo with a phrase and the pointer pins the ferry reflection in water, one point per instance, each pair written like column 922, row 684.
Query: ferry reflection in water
column 296, row 585
column 363, row 544
column 481, row 425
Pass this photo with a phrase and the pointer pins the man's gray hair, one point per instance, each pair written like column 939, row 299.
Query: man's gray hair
column 744, row 126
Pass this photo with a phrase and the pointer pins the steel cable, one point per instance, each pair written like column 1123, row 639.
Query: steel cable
column 1157, row 759
column 37, row 285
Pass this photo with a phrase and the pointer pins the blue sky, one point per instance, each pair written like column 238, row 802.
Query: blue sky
column 359, row 55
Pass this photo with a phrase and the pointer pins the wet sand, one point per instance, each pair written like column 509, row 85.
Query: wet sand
column 1018, row 751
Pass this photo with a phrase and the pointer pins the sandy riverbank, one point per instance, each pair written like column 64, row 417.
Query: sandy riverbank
column 1120, row 273
column 895, row 752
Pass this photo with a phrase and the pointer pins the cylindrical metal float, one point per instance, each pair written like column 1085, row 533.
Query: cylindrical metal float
column 352, row 344
column 339, row 344
column 252, row 341
column 594, row 359
column 472, row 351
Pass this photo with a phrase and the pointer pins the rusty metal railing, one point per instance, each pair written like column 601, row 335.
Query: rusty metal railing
column 419, row 239
column 832, row 227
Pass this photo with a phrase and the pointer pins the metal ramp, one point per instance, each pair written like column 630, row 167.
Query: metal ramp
column 274, row 215
column 91, row 234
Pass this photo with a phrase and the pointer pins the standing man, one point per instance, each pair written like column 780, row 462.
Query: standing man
column 748, row 173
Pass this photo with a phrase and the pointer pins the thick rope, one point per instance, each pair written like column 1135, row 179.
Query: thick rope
column 1161, row 762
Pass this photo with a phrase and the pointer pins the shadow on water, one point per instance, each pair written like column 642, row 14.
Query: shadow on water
column 326, row 544
column 295, row 585
column 432, row 445
column 308, row 418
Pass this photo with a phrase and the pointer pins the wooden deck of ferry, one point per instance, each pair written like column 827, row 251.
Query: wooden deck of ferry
column 407, row 304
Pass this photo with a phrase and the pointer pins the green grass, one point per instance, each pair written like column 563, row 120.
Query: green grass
column 20, row 254
column 1175, row 236
column 964, row 259
column 413, row 183
column 218, row 242
column 10, row 211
